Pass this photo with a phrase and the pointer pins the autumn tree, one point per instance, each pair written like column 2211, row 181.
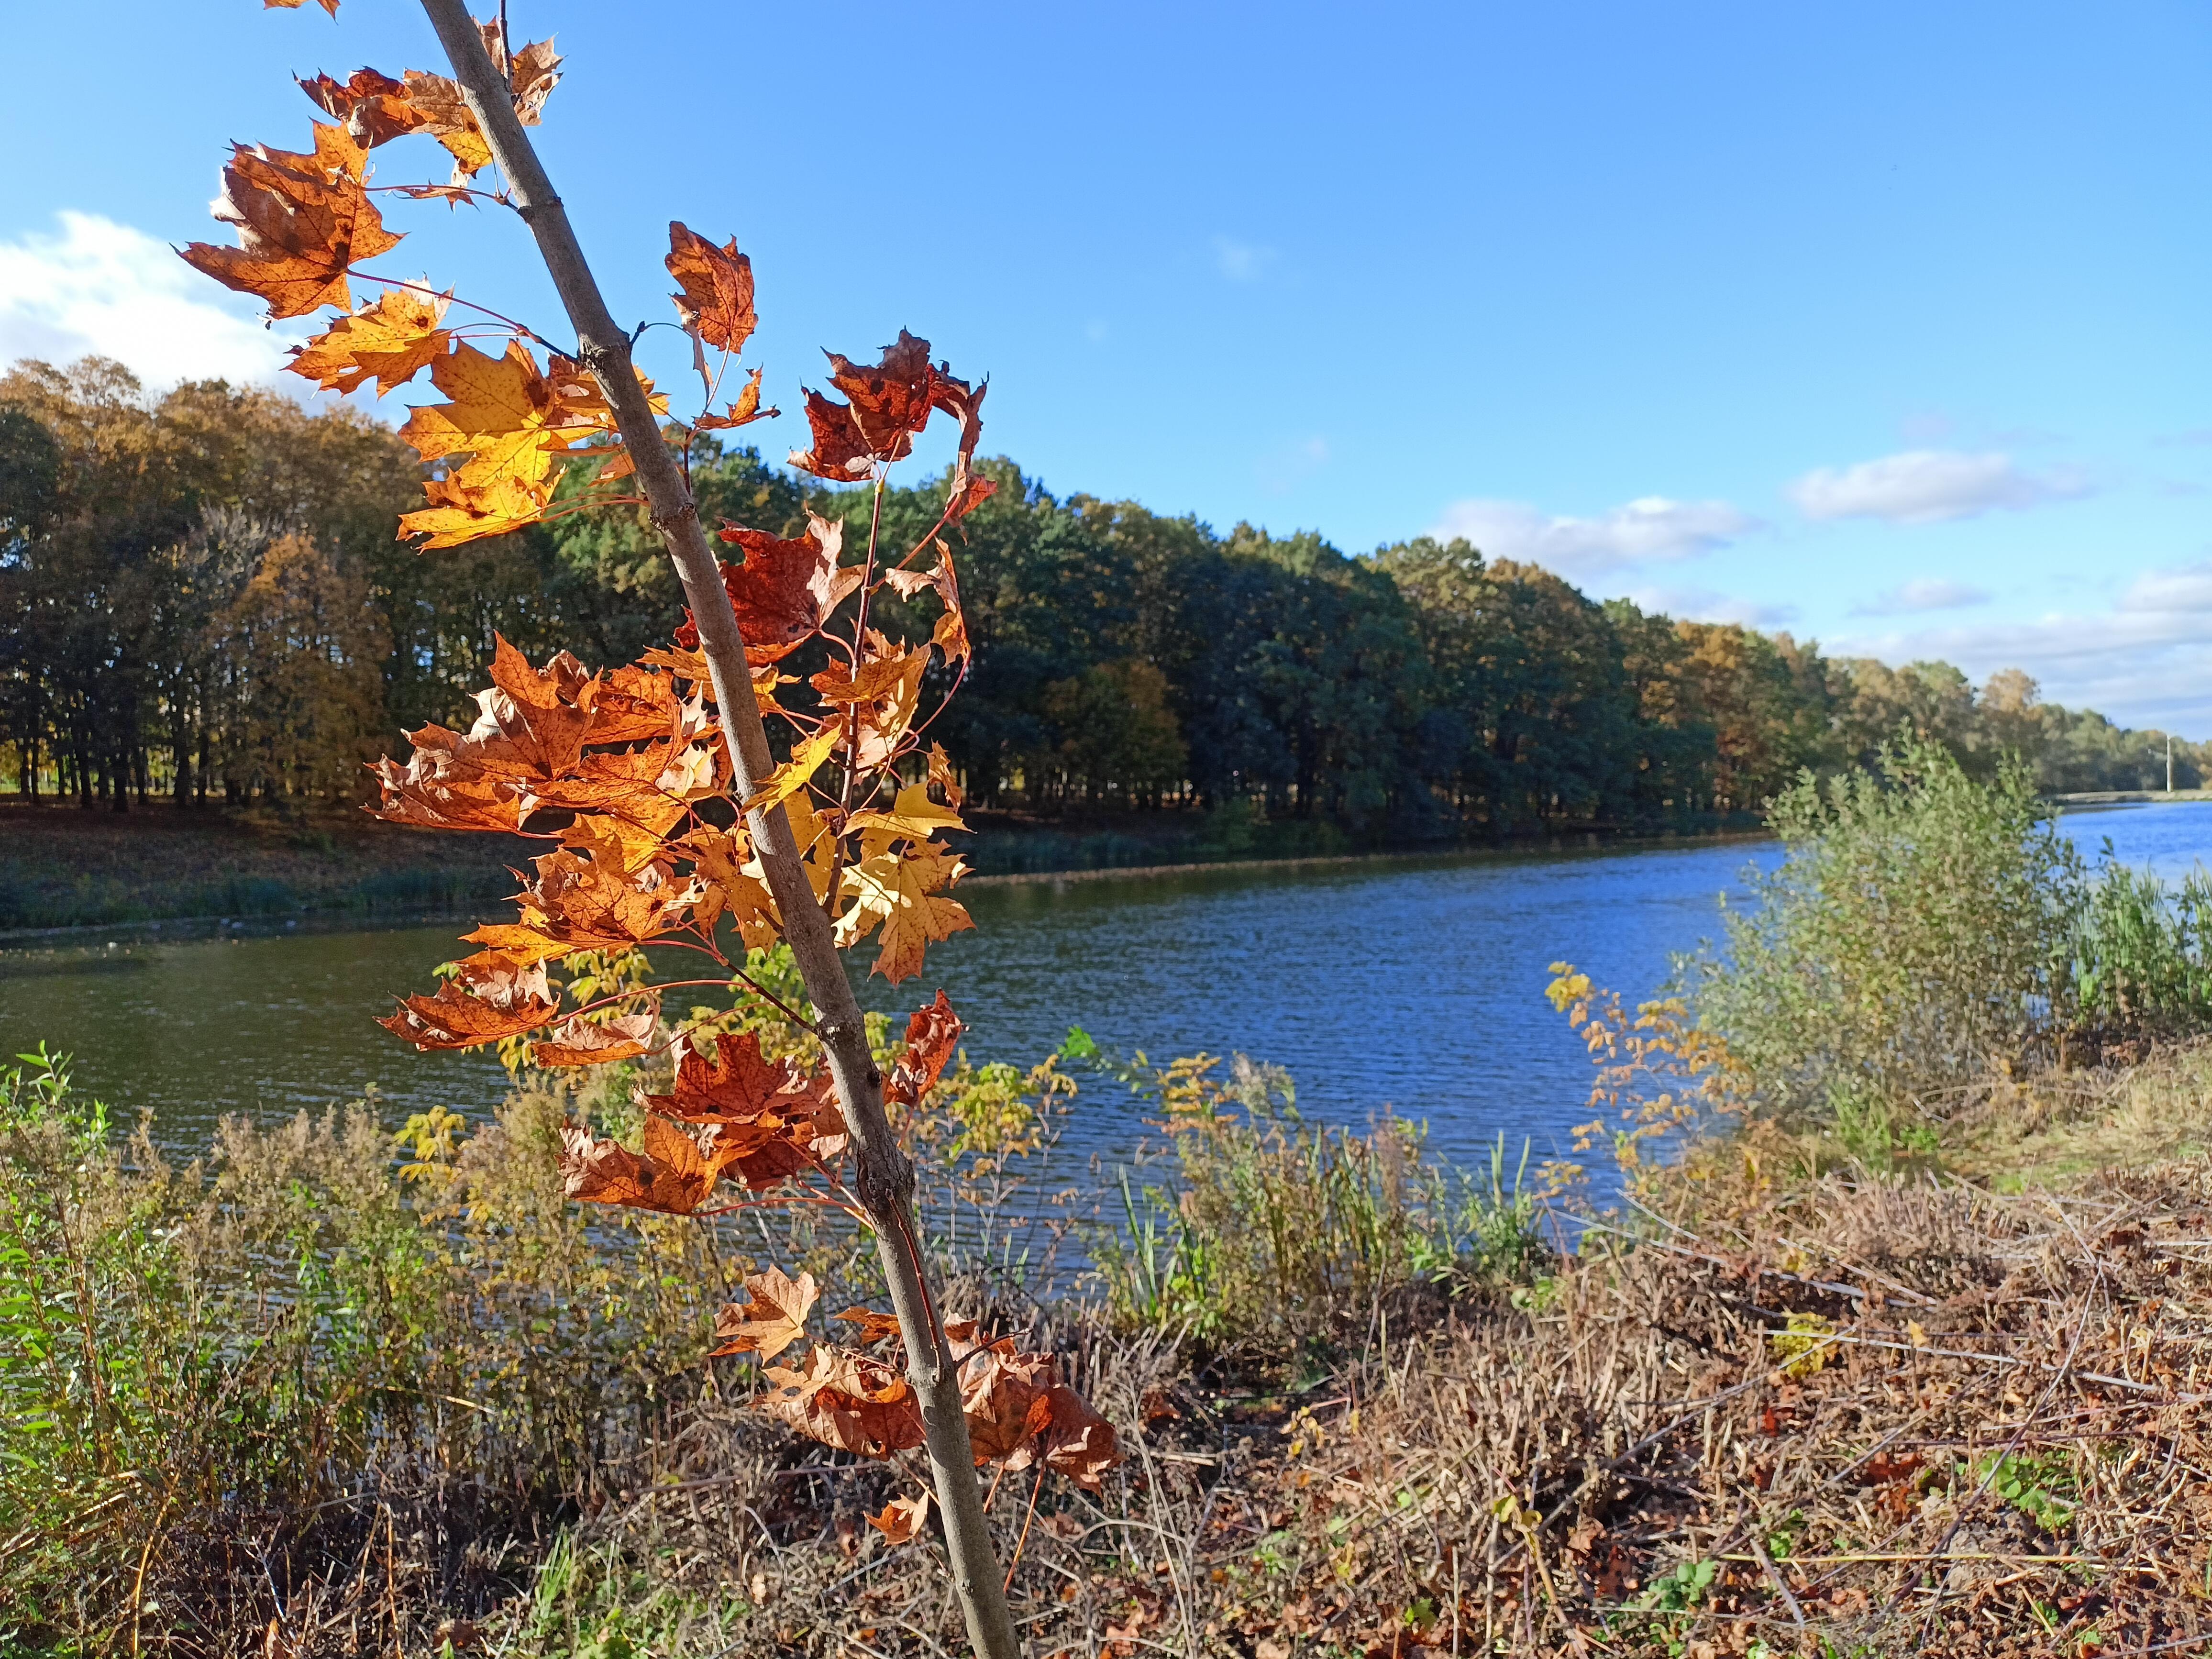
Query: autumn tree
column 669, row 820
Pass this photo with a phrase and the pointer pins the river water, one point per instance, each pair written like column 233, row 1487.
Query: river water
column 1415, row 985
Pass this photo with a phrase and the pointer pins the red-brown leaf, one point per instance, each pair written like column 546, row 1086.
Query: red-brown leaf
column 717, row 289
column 932, row 1036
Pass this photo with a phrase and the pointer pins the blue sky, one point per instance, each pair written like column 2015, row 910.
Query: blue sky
column 1881, row 322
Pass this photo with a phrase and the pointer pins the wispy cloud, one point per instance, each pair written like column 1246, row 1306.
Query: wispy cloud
column 1923, row 593
column 1929, row 486
column 2144, row 662
column 99, row 287
column 2185, row 590
column 1241, row 262
column 1651, row 527
column 1283, row 469
column 1704, row 605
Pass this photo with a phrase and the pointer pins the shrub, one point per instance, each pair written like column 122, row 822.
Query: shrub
column 1916, row 930
column 2139, row 956
column 1266, row 1228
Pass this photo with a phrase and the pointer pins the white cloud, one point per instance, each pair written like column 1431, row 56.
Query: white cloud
column 2187, row 591
column 99, row 287
column 1704, row 605
column 1923, row 593
column 2144, row 663
column 1927, row 486
column 1241, row 262
column 1649, row 527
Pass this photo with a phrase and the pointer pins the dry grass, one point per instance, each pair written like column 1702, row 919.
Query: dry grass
column 1868, row 1416
column 1774, row 1408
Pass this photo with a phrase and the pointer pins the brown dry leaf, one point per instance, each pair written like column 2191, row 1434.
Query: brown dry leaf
column 940, row 776
column 932, row 1036
column 848, row 1400
column 902, row 1518
column 447, row 116
column 716, row 301
column 670, row 1175
column 372, row 108
column 745, row 409
column 389, row 342
column 532, row 730
column 897, row 891
column 773, row 1318
column 494, row 996
column 1018, row 1408
column 301, row 221
column 890, row 403
column 964, row 404
column 330, row 6
column 874, row 1327
column 773, row 1120
column 530, row 75
column 594, row 904
column 840, row 452
column 577, row 1042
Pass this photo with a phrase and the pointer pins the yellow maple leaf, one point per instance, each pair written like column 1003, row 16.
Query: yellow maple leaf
column 389, row 342
column 900, row 894
column 789, row 778
column 458, row 515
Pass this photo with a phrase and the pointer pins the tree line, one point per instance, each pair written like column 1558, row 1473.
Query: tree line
column 201, row 598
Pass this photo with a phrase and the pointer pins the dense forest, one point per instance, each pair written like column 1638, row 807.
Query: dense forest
column 201, row 598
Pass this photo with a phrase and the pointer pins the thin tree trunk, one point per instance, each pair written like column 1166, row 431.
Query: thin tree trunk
column 885, row 1176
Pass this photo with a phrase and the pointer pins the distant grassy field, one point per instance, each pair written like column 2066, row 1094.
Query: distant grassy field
column 61, row 867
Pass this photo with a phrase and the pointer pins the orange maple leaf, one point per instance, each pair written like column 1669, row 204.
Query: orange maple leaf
column 493, row 996
column 848, row 1400
column 672, row 1174
column 301, row 219
column 373, row 107
column 577, row 1042
column 773, row 1317
column 902, row 1518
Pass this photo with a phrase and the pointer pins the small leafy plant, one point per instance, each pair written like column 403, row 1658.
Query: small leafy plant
column 669, row 820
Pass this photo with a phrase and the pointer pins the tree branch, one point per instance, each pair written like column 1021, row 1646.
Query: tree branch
column 885, row 1177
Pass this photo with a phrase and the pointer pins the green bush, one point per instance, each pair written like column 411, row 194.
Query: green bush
column 2139, row 956
column 1918, row 929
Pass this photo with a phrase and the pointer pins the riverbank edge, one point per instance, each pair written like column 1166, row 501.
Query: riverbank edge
column 338, row 917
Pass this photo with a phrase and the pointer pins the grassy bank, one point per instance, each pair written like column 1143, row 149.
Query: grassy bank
column 1889, row 1330
column 61, row 867
column 392, row 1393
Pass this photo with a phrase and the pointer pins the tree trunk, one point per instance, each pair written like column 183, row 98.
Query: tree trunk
column 885, row 1177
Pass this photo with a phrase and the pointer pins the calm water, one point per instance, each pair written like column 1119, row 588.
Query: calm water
column 1412, row 985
